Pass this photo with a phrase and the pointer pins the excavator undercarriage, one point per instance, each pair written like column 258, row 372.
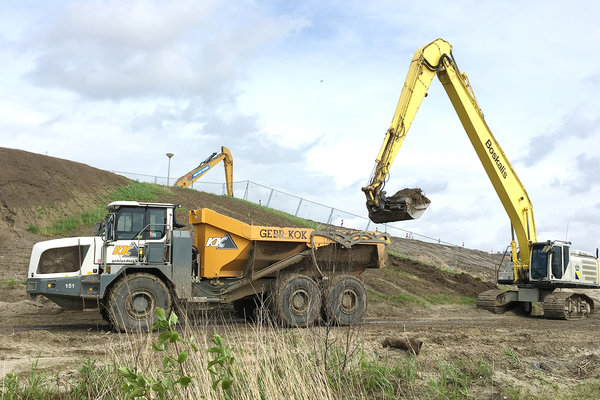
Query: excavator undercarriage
column 556, row 305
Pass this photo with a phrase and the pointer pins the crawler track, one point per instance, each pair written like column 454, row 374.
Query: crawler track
column 494, row 300
column 568, row 306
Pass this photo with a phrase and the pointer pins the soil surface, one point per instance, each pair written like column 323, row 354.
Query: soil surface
column 405, row 299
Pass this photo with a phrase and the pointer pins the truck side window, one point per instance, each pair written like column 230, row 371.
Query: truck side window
column 557, row 260
column 156, row 220
column 130, row 221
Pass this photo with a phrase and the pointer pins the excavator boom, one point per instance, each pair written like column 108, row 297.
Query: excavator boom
column 431, row 60
column 206, row 165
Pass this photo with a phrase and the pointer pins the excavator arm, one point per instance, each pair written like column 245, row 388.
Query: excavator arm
column 206, row 165
column 436, row 59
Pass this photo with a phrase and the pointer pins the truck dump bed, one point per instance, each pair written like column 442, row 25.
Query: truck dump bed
column 229, row 248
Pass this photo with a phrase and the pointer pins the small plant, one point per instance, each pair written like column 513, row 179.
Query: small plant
column 33, row 229
column 173, row 375
column 452, row 383
column 11, row 282
column 220, row 367
column 35, row 386
column 513, row 359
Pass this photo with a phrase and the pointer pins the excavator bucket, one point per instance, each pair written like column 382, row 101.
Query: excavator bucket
column 405, row 205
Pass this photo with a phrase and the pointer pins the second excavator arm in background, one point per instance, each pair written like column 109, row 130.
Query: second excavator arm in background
column 205, row 166
column 431, row 60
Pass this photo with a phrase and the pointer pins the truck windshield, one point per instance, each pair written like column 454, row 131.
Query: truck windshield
column 539, row 262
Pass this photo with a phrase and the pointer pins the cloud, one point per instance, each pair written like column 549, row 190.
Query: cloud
column 573, row 126
column 586, row 178
column 130, row 49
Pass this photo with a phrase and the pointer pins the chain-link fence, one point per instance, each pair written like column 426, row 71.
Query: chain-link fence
column 291, row 204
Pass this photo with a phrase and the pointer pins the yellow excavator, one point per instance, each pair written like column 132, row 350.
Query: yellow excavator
column 225, row 155
column 538, row 268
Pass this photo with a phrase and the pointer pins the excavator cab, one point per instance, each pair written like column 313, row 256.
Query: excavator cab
column 550, row 261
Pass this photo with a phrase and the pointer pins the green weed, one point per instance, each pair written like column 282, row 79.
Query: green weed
column 33, row 229
column 220, row 367
column 513, row 359
column 172, row 376
column 11, row 282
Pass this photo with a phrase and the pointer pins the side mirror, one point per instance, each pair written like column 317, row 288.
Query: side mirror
column 110, row 228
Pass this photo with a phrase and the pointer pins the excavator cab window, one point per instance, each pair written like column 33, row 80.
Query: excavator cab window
column 539, row 262
column 557, row 262
column 566, row 250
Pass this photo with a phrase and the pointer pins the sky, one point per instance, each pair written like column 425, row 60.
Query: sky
column 302, row 94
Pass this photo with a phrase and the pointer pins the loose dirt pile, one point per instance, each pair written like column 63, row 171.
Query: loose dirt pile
column 415, row 195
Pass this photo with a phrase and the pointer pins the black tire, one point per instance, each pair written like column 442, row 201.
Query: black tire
column 345, row 300
column 296, row 300
column 133, row 299
column 104, row 312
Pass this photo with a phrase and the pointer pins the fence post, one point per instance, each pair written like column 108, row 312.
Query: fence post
column 298, row 209
column 270, row 195
column 330, row 216
column 246, row 192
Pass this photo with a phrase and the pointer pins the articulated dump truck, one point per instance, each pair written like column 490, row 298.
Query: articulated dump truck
column 141, row 258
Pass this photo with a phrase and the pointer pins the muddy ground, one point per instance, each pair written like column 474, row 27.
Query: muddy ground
column 530, row 352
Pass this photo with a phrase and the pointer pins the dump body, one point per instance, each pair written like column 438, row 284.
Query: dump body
column 226, row 246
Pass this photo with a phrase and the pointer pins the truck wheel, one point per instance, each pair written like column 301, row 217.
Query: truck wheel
column 132, row 301
column 104, row 311
column 345, row 300
column 296, row 300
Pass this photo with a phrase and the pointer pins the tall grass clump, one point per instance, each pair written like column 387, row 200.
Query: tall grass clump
column 90, row 380
column 261, row 361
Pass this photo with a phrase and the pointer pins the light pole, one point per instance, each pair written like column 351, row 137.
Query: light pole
column 169, row 170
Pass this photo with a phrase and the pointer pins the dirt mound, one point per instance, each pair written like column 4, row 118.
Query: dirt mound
column 30, row 179
column 421, row 281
